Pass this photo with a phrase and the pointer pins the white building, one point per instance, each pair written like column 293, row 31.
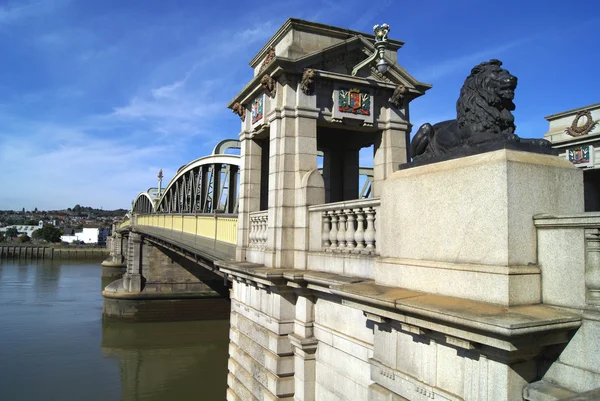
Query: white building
column 87, row 235
column 24, row 229
column 576, row 133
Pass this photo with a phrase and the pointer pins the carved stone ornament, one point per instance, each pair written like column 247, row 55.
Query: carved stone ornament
column 268, row 59
column 269, row 85
column 484, row 121
column 576, row 130
column 239, row 110
column 308, row 80
column 397, row 98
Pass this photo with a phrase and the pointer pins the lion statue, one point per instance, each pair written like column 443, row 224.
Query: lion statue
column 483, row 117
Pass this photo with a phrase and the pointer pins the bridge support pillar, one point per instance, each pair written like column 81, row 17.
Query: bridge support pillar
column 114, row 265
column 160, row 284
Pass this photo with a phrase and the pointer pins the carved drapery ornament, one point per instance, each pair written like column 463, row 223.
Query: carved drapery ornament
column 576, row 130
column 268, row 59
column 239, row 110
column 308, row 79
column 269, row 85
column 397, row 98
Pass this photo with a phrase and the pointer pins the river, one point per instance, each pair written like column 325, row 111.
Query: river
column 54, row 344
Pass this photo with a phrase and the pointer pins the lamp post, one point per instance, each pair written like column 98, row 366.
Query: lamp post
column 160, row 177
column 381, row 33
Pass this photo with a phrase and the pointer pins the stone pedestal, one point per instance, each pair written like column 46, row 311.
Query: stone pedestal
column 469, row 222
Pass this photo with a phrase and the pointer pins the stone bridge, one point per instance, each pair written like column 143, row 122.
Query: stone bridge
column 469, row 279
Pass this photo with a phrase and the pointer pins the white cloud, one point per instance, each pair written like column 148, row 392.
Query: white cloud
column 258, row 32
column 17, row 12
column 465, row 62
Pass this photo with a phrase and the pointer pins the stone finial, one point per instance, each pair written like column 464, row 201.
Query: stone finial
column 576, row 130
column 268, row 59
column 308, row 80
column 397, row 98
column 239, row 110
column 269, row 85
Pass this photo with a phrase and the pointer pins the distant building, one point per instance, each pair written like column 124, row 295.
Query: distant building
column 24, row 229
column 88, row 235
column 576, row 133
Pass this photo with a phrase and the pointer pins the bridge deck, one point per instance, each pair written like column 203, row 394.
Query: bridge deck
column 202, row 246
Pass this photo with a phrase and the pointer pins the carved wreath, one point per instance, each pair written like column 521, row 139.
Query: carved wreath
column 576, row 130
column 268, row 59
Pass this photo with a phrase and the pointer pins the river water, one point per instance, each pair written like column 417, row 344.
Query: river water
column 54, row 344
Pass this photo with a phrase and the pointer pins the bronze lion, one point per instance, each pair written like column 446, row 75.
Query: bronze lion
column 483, row 117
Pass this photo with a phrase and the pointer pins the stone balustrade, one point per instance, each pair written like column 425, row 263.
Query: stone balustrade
column 569, row 254
column 257, row 237
column 349, row 226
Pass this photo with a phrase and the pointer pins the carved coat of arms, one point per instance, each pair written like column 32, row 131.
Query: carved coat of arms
column 355, row 102
column 579, row 155
column 257, row 109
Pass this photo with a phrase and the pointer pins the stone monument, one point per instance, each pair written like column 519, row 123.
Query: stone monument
column 484, row 120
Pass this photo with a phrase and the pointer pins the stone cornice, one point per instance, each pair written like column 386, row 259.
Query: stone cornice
column 314, row 27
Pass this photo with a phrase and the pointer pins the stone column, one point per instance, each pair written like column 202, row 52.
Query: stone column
column 249, row 199
column 391, row 148
column 305, row 347
column 293, row 154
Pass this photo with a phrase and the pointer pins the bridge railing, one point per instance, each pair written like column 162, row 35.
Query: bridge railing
column 257, row 236
column 221, row 228
column 568, row 249
column 345, row 227
column 125, row 224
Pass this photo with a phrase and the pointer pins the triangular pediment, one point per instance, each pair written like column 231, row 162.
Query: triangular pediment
column 343, row 57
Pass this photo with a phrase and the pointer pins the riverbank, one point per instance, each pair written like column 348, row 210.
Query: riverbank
column 12, row 252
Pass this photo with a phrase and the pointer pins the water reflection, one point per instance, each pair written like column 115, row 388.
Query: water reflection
column 54, row 344
column 169, row 361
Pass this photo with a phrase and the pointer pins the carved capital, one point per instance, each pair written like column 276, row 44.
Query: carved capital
column 398, row 96
column 269, row 85
column 239, row 110
column 308, row 79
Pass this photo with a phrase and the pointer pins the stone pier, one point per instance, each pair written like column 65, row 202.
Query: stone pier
column 159, row 284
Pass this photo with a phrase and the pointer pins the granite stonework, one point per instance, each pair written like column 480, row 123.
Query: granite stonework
column 114, row 265
column 469, row 221
column 435, row 288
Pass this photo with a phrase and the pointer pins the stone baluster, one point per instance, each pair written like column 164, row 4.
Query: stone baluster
column 359, row 235
column 350, row 231
column 334, row 229
column 325, row 243
column 265, row 230
column 252, row 235
column 341, row 235
column 370, row 231
column 592, row 268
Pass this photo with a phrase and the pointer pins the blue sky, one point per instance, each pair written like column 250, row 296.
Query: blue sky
column 97, row 96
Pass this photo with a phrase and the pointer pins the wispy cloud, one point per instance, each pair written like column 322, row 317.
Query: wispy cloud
column 465, row 62
column 15, row 12
column 257, row 32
